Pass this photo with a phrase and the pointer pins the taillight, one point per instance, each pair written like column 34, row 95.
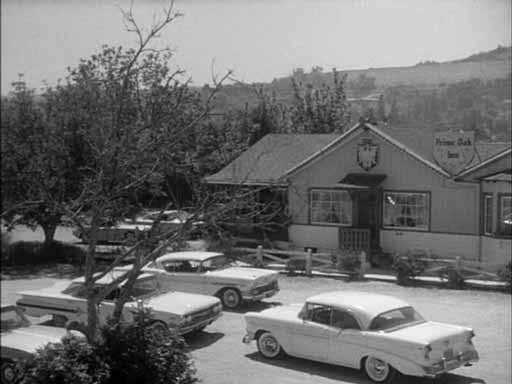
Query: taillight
column 426, row 350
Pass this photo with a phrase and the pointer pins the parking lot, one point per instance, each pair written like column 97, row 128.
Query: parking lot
column 221, row 357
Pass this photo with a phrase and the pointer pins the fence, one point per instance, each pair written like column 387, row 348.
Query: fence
column 296, row 260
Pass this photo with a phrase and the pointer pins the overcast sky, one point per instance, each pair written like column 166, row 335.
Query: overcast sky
column 258, row 39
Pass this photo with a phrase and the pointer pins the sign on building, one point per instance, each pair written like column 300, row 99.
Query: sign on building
column 454, row 150
column 367, row 154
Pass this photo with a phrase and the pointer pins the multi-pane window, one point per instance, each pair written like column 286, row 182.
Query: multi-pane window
column 487, row 214
column 505, row 217
column 331, row 207
column 406, row 210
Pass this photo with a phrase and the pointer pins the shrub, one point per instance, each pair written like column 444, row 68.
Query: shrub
column 71, row 361
column 136, row 355
column 348, row 260
column 32, row 252
column 6, row 240
column 128, row 354
column 408, row 266
column 505, row 274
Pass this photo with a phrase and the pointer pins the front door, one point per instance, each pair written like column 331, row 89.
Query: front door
column 368, row 208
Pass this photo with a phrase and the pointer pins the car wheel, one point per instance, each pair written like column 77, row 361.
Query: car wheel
column 10, row 374
column 159, row 330
column 268, row 346
column 231, row 298
column 378, row 370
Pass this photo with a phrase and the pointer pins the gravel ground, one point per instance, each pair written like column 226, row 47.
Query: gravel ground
column 221, row 358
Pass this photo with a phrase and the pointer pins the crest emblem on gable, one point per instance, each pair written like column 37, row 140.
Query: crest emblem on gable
column 367, row 155
column 453, row 151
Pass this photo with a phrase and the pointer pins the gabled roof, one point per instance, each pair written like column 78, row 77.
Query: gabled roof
column 267, row 161
column 277, row 156
column 499, row 156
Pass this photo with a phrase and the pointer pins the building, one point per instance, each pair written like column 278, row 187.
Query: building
column 381, row 186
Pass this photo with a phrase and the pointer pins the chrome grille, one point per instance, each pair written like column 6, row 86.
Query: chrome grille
column 267, row 287
column 202, row 315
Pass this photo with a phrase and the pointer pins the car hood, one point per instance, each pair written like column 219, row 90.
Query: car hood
column 241, row 273
column 28, row 339
column 428, row 332
column 178, row 303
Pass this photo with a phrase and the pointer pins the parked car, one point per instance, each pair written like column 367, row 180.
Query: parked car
column 182, row 312
column 213, row 273
column 130, row 230
column 378, row 334
column 20, row 339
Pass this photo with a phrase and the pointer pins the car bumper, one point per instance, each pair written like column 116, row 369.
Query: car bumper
column 196, row 326
column 260, row 296
column 248, row 338
column 448, row 365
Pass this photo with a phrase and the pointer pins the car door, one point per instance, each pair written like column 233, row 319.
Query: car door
column 310, row 339
column 183, row 275
column 347, row 343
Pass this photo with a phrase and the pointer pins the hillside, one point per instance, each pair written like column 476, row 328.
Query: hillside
column 491, row 65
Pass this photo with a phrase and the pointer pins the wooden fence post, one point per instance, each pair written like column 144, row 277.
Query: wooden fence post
column 309, row 262
column 363, row 264
column 259, row 256
column 458, row 265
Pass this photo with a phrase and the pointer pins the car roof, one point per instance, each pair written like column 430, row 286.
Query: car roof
column 364, row 305
column 188, row 255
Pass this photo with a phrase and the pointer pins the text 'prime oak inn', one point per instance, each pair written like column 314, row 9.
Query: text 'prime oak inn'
column 387, row 180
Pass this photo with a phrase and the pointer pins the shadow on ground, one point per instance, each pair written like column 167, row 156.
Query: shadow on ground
column 253, row 307
column 354, row 376
column 38, row 271
column 202, row 339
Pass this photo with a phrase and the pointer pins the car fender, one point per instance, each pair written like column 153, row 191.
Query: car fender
column 401, row 364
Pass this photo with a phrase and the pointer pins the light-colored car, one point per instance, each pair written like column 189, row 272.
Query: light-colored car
column 20, row 339
column 130, row 230
column 213, row 273
column 182, row 312
column 378, row 334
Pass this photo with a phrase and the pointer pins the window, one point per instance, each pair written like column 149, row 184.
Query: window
column 505, row 215
column 406, row 210
column 318, row 314
column 400, row 317
column 331, row 207
column 181, row 265
column 344, row 320
column 487, row 214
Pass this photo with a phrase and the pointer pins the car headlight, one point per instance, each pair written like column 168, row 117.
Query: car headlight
column 217, row 308
column 187, row 319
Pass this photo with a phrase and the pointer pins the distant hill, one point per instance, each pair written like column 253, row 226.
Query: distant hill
column 494, row 64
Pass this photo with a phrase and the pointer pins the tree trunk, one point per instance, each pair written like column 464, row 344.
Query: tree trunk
column 49, row 227
column 90, row 266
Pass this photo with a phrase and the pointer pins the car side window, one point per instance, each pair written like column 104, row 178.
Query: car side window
column 343, row 320
column 318, row 313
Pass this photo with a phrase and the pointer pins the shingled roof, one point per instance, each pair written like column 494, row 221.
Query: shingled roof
column 271, row 159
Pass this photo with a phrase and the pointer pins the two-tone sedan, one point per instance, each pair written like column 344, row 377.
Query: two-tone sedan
column 378, row 334
column 182, row 312
column 20, row 339
column 213, row 273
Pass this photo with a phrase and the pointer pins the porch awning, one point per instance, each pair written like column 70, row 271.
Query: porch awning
column 361, row 180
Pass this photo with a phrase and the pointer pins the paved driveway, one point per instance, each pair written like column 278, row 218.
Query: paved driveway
column 221, row 358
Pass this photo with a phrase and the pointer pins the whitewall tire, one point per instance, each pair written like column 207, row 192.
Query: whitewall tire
column 268, row 346
column 378, row 370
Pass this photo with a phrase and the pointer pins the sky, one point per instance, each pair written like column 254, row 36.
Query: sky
column 258, row 39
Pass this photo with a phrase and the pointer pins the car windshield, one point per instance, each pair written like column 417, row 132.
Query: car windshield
column 11, row 319
column 142, row 288
column 396, row 318
column 215, row 263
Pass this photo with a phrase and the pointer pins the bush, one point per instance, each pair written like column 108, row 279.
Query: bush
column 71, row 361
column 505, row 274
column 348, row 260
column 408, row 266
column 33, row 252
column 129, row 354
column 136, row 355
column 6, row 240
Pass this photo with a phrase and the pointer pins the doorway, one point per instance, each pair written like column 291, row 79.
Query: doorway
column 368, row 213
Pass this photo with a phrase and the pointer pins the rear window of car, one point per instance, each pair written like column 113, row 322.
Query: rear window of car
column 399, row 317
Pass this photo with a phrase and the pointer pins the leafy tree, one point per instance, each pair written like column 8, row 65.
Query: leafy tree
column 322, row 110
column 35, row 170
